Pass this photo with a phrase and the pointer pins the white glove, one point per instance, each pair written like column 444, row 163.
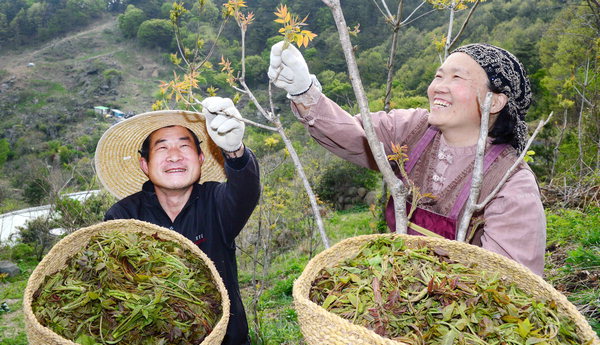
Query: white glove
column 223, row 123
column 288, row 70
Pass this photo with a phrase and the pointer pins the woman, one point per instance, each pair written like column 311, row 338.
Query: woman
column 442, row 143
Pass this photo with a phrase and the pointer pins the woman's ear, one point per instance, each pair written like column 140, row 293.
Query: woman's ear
column 499, row 101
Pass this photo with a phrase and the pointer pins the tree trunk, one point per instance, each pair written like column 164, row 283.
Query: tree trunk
column 449, row 34
column 397, row 188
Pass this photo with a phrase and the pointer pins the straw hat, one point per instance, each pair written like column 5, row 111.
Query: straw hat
column 117, row 157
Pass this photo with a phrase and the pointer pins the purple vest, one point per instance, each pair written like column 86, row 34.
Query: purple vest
column 443, row 225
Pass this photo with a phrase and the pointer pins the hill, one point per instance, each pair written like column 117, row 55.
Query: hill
column 77, row 61
column 48, row 92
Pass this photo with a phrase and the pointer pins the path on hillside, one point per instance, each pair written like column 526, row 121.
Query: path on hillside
column 16, row 63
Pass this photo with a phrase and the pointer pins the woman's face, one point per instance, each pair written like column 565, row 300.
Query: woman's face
column 453, row 98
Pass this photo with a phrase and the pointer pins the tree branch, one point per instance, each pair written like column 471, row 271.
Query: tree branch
column 462, row 28
column 407, row 19
column 397, row 188
column 515, row 164
column 477, row 178
column 392, row 57
column 417, row 18
column 382, row 11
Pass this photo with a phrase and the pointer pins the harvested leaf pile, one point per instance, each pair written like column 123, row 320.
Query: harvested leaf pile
column 130, row 288
column 420, row 296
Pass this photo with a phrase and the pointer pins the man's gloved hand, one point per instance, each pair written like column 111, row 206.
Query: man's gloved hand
column 288, row 70
column 223, row 123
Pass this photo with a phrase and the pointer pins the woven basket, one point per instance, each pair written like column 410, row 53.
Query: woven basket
column 57, row 257
column 321, row 327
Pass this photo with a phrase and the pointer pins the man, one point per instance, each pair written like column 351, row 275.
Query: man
column 175, row 184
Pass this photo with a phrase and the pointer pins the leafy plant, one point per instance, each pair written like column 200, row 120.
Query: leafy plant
column 292, row 27
column 133, row 288
column 339, row 176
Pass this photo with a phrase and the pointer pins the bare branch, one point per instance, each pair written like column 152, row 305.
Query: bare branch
column 517, row 162
column 397, row 188
column 557, row 146
column 477, row 178
column 260, row 125
column 380, row 10
column 384, row 4
column 408, row 18
column 419, row 17
column 390, row 63
column 462, row 28
column 449, row 34
column 583, row 98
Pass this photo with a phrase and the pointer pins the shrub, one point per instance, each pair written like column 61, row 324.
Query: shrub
column 340, row 176
column 156, row 33
column 20, row 251
column 130, row 21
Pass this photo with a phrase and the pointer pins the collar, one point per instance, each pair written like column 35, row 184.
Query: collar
column 152, row 199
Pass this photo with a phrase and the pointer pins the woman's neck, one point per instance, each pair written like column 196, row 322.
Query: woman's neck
column 452, row 138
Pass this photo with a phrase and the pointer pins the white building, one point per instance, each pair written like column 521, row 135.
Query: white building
column 10, row 221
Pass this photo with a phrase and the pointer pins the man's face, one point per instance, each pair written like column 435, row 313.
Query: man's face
column 174, row 163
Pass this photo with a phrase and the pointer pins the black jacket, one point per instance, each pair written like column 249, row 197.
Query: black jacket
column 212, row 218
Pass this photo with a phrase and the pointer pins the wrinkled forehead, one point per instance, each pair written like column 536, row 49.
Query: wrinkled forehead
column 176, row 131
column 462, row 64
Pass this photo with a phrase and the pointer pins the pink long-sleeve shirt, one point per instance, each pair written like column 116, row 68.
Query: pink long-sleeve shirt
column 515, row 223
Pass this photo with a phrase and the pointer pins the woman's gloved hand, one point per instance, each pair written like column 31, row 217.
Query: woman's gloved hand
column 288, row 69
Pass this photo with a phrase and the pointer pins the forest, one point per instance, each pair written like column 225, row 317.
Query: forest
column 48, row 130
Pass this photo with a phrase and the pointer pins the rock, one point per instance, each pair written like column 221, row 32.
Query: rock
column 362, row 191
column 10, row 268
column 370, row 198
column 92, row 70
column 351, row 191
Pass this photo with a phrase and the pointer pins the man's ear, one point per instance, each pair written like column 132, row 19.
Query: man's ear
column 201, row 158
column 499, row 101
column 144, row 165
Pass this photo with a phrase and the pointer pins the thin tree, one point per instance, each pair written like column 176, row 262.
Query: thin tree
column 472, row 205
column 454, row 6
column 397, row 189
column 184, row 89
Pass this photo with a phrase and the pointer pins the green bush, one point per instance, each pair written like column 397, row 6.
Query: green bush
column 584, row 258
column 341, row 175
column 20, row 251
column 36, row 191
column 156, row 33
column 130, row 21
column 572, row 226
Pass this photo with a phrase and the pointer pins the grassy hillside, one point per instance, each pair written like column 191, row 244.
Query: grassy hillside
column 47, row 96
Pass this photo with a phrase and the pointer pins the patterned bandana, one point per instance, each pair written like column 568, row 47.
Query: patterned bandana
column 508, row 74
